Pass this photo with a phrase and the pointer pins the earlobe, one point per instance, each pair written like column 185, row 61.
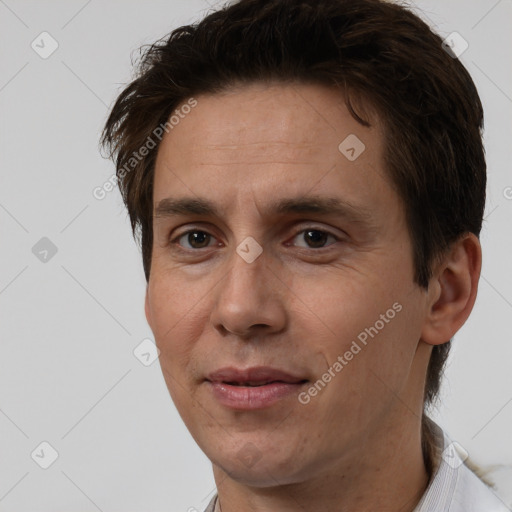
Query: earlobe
column 453, row 290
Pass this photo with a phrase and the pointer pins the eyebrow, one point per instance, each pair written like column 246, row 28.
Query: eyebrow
column 318, row 205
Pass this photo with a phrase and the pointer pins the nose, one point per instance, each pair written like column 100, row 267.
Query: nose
column 250, row 299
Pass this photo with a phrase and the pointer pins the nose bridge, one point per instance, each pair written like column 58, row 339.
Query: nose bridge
column 247, row 296
column 246, row 285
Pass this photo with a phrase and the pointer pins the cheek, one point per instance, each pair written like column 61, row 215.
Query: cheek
column 390, row 350
column 373, row 327
column 177, row 320
column 341, row 309
column 370, row 376
column 175, row 309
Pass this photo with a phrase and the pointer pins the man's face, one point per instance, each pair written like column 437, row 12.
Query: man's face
column 328, row 286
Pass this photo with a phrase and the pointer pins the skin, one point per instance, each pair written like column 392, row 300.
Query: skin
column 356, row 445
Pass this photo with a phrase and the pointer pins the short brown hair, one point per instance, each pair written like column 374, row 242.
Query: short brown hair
column 374, row 50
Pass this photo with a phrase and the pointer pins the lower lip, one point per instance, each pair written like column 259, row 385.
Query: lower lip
column 253, row 397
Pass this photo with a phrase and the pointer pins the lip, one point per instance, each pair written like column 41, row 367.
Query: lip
column 227, row 386
column 254, row 374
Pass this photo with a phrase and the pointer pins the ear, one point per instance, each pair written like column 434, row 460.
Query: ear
column 452, row 290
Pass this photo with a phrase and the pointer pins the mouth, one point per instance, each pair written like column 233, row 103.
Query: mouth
column 253, row 388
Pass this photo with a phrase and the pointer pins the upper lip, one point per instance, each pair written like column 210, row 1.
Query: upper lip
column 256, row 374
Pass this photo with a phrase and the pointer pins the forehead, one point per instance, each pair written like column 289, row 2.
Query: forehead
column 265, row 140
column 307, row 114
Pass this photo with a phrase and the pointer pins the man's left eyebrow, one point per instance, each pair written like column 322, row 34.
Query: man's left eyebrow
column 320, row 205
column 305, row 205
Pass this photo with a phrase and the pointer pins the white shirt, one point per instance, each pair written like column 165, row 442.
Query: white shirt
column 453, row 488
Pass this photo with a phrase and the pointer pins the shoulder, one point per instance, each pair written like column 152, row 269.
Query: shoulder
column 454, row 487
column 473, row 495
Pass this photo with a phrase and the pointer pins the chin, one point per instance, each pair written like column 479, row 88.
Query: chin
column 250, row 468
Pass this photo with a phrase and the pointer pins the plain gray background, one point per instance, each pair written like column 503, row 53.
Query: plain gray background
column 71, row 320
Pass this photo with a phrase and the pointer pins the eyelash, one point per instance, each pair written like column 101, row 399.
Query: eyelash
column 174, row 240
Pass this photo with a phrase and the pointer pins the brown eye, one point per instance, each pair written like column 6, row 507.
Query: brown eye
column 195, row 239
column 313, row 238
